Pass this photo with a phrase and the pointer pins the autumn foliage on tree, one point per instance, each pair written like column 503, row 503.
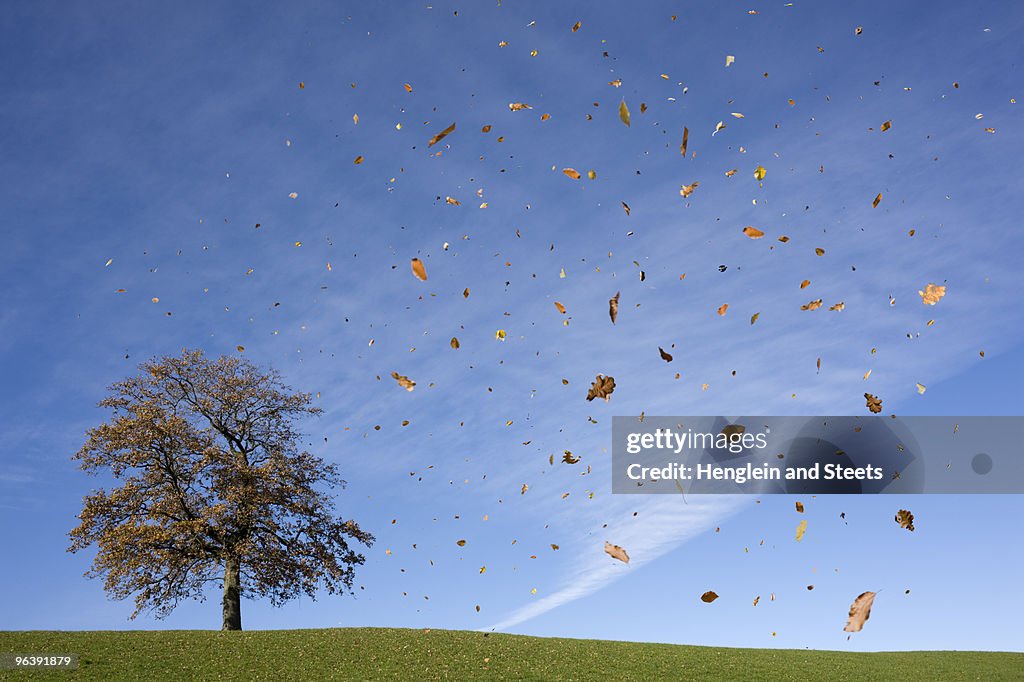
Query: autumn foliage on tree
column 211, row 486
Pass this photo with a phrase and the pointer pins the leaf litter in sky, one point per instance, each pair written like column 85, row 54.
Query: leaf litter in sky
column 616, row 552
column 441, row 135
column 905, row 519
column 860, row 611
column 708, row 597
column 419, row 270
column 601, row 388
column 613, row 307
column 932, row 294
column 624, row 113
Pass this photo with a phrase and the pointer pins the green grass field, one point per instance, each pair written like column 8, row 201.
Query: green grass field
column 377, row 653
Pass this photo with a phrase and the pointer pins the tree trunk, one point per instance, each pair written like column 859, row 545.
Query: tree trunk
column 232, row 597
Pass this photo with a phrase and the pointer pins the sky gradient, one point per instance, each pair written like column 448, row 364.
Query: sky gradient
column 200, row 157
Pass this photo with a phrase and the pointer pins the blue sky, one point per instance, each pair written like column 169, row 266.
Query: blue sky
column 158, row 139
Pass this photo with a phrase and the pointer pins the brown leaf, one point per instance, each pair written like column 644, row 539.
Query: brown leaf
column 722, row 308
column 874, row 402
column 877, row 201
column 800, row 507
column 664, row 356
column 404, row 381
column 626, row 208
column 708, row 597
column 568, row 458
column 576, row 26
column 419, row 270
column 753, row 232
column 601, row 388
column 572, row 173
column 441, row 135
column 560, row 307
column 455, row 343
column 518, row 106
column 860, row 611
column 813, row 305
column 886, row 125
column 687, row 190
column 616, row 552
column 686, row 137
column 753, row 318
column 932, row 294
column 905, row 519
column 613, row 307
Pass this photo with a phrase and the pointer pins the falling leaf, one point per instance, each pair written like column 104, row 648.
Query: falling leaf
column 800, row 507
column 722, row 308
column 905, row 519
column 613, row 307
column 686, row 137
column 626, row 208
column 753, row 318
column 800, row 530
column 576, row 26
column 441, row 135
column 759, row 173
column 687, row 190
column 729, row 60
column 921, row 389
column 419, row 270
column 408, row 88
column 624, row 113
column 753, row 232
column 518, row 106
column 878, row 200
column 522, row 491
column 804, row 284
column 616, row 552
column 886, row 125
column 858, row 30
column 664, row 356
column 358, row 160
column 455, row 343
column 812, row 305
column 601, row 388
column 708, row 597
column 874, row 403
column 860, row 611
column 404, row 381
column 932, row 294
column 293, row 195
column 500, row 335
column 572, row 173
column 560, row 307
column 757, row 599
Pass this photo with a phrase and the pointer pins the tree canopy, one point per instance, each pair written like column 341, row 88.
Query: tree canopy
column 211, row 486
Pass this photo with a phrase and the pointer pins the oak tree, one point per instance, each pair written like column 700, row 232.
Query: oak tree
column 211, row 485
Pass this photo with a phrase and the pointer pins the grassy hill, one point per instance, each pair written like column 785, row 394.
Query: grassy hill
column 376, row 653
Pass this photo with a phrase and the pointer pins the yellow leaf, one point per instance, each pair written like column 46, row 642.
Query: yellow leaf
column 753, row 232
column 624, row 113
column 572, row 173
column 759, row 173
